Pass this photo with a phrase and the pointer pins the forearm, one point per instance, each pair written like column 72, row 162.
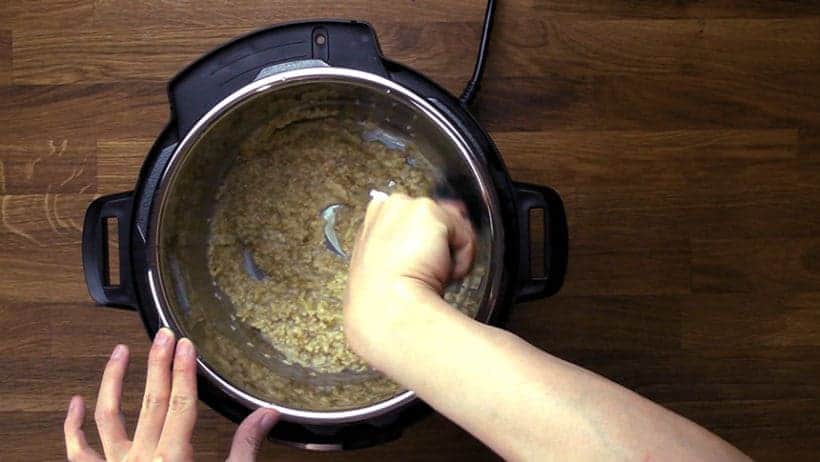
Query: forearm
column 524, row 403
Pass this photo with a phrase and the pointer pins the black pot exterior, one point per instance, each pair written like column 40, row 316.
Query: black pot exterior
column 216, row 75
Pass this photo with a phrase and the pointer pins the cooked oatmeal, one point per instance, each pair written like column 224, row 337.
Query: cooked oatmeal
column 268, row 251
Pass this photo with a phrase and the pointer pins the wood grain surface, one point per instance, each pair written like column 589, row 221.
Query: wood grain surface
column 683, row 136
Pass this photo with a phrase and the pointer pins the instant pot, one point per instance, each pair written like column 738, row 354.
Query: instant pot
column 163, row 224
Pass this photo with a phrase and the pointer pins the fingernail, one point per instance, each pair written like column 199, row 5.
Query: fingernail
column 268, row 420
column 119, row 350
column 164, row 336
column 74, row 403
column 185, row 348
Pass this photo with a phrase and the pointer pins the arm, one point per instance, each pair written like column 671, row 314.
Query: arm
column 520, row 401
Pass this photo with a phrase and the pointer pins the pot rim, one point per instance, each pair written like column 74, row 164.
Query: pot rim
column 276, row 82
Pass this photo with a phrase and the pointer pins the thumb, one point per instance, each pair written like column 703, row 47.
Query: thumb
column 251, row 432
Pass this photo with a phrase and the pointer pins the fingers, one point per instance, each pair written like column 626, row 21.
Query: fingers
column 374, row 209
column 176, row 428
column 108, row 415
column 157, row 392
column 462, row 238
column 175, row 442
column 454, row 204
column 450, row 214
column 77, row 449
column 249, row 436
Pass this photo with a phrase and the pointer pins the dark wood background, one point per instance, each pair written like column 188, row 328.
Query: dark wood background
column 684, row 137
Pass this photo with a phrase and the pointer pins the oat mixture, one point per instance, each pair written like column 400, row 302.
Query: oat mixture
column 268, row 251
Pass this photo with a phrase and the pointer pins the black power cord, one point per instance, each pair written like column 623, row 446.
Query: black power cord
column 474, row 83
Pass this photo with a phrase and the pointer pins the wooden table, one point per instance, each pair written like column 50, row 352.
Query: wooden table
column 684, row 138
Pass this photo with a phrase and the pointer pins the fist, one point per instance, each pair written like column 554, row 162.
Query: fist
column 408, row 250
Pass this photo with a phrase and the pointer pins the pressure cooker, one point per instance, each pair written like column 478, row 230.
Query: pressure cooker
column 163, row 225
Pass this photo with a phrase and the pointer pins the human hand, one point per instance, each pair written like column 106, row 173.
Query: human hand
column 407, row 251
column 166, row 421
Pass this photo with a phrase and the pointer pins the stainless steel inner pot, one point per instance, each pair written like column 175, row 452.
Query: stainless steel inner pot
column 236, row 356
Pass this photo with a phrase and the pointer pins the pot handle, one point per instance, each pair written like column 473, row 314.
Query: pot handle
column 211, row 79
column 530, row 197
column 95, row 250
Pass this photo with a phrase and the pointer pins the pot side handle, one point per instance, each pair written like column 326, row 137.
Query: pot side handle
column 530, row 197
column 95, row 250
